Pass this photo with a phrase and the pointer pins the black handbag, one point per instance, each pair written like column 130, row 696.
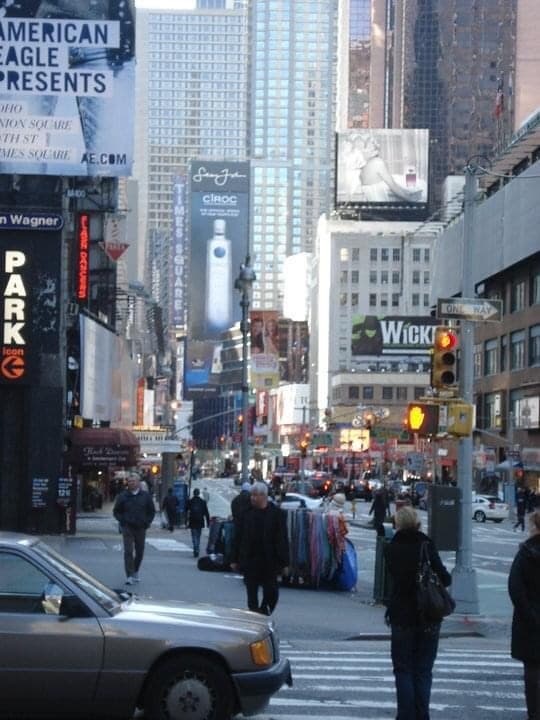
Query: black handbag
column 433, row 599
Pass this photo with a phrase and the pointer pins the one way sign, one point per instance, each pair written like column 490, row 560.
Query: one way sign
column 470, row 309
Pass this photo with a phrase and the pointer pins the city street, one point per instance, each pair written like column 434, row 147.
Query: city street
column 337, row 642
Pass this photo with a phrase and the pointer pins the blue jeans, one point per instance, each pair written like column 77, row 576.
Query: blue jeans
column 196, row 540
column 414, row 650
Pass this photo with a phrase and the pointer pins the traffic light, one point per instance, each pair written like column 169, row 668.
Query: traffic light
column 240, row 422
column 304, row 444
column 423, row 419
column 154, row 469
column 444, row 358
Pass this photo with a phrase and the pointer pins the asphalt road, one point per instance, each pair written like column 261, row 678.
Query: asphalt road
column 339, row 670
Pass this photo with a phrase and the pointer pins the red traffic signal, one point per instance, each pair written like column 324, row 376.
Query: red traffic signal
column 444, row 358
column 423, row 419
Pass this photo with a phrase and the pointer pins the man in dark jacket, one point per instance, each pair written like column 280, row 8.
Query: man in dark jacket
column 521, row 509
column 170, row 508
column 240, row 504
column 524, row 589
column 380, row 508
column 134, row 510
column 261, row 550
column 197, row 514
column 414, row 642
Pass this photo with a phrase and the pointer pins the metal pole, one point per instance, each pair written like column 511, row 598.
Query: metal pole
column 244, row 303
column 464, row 580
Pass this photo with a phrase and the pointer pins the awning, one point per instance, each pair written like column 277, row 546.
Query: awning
column 102, row 448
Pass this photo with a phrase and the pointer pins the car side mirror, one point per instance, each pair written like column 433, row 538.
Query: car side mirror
column 52, row 599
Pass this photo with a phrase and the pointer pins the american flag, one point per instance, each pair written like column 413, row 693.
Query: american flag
column 499, row 101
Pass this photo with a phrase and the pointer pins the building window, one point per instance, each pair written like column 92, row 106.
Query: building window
column 384, row 277
column 344, row 254
column 372, row 300
column 416, row 277
column 534, row 346
column 416, row 254
column 395, row 278
column 387, row 392
column 354, row 277
column 517, row 350
column 373, row 254
column 504, row 353
column 395, row 299
column 385, row 254
column 426, row 255
column 401, row 393
column 517, row 300
column 373, row 277
column 426, row 299
column 367, row 392
column 354, row 392
column 419, row 392
column 354, row 299
column 415, row 299
column 396, row 254
column 492, row 410
column 426, row 277
column 384, row 299
column 344, row 277
column 356, row 254
column 343, row 298
column 490, row 357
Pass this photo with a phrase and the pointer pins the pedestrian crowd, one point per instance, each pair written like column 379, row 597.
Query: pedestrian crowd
column 261, row 553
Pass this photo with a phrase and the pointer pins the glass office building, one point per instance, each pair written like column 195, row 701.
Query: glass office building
column 294, row 46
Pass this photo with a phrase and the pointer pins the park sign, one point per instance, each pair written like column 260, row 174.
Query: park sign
column 475, row 309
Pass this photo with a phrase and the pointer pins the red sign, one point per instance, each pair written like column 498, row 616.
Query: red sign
column 114, row 250
column 140, row 401
column 83, row 265
column 12, row 367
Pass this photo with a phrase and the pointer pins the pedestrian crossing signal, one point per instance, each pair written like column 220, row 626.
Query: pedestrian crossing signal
column 423, row 419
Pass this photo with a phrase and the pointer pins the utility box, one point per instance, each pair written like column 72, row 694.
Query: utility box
column 444, row 504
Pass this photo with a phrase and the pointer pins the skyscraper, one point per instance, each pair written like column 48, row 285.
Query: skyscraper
column 294, row 46
column 192, row 102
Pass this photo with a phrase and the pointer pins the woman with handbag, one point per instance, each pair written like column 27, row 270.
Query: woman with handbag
column 415, row 637
column 524, row 589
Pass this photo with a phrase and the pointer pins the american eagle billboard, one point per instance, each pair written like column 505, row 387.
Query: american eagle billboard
column 67, row 87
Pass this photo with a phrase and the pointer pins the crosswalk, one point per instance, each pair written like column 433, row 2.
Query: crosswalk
column 344, row 684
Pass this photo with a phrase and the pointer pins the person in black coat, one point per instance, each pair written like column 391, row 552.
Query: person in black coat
column 170, row 508
column 261, row 550
column 197, row 515
column 240, row 504
column 524, row 589
column 380, row 507
column 521, row 509
column 414, row 642
column 134, row 509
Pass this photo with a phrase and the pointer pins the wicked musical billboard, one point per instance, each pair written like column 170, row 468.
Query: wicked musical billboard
column 392, row 335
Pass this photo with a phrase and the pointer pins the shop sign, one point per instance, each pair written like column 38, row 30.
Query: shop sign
column 13, row 359
column 83, row 257
column 30, row 221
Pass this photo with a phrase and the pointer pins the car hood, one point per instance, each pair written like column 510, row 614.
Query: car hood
column 193, row 614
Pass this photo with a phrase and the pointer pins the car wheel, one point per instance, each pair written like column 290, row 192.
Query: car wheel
column 189, row 687
column 480, row 516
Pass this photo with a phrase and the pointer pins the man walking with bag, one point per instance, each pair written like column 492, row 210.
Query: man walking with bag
column 134, row 510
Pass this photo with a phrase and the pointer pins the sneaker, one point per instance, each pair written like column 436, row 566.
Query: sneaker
column 136, row 578
column 130, row 581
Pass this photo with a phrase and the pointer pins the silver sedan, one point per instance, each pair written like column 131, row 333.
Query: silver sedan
column 71, row 647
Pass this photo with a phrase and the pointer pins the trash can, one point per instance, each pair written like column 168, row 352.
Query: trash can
column 381, row 580
column 444, row 516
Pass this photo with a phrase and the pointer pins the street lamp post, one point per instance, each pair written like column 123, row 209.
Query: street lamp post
column 243, row 284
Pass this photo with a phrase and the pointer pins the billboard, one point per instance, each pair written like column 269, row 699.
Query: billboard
column 30, row 300
column 382, row 167
column 202, row 368
column 219, row 243
column 101, row 373
column 67, row 87
column 392, row 335
column 293, row 351
column 264, row 349
column 178, row 247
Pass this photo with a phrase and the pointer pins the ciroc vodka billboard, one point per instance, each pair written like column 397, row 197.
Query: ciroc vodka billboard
column 219, row 231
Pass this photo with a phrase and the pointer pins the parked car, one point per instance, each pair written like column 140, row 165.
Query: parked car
column 295, row 501
column 322, row 484
column 72, row 646
column 489, row 507
column 359, row 490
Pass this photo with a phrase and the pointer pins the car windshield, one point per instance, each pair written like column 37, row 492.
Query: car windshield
column 103, row 595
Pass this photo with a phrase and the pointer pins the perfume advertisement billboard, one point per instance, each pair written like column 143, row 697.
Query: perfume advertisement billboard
column 382, row 167
column 219, row 230
column 67, row 87
column 264, row 349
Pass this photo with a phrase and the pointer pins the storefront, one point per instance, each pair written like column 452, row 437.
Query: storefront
column 94, row 457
